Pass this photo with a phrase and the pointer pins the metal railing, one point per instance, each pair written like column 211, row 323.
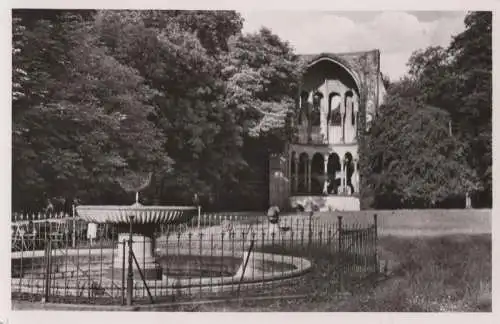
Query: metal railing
column 221, row 255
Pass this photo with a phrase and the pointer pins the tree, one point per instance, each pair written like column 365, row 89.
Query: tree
column 213, row 28
column 472, row 54
column 458, row 79
column 262, row 75
column 180, row 93
column 202, row 136
column 386, row 81
column 413, row 160
column 84, row 117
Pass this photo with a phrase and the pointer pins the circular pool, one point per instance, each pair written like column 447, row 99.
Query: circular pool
column 93, row 273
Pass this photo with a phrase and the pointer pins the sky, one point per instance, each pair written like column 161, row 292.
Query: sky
column 396, row 34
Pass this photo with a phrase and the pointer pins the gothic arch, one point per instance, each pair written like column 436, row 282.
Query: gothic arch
column 333, row 167
column 334, row 116
column 304, row 107
column 317, row 173
column 302, row 172
column 316, row 109
column 334, row 60
column 349, row 106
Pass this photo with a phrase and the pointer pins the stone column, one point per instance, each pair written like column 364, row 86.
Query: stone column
column 325, row 174
column 342, row 117
column 289, row 171
column 305, row 174
column 355, row 176
column 296, row 175
column 308, row 178
column 342, row 170
column 356, row 109
column 345, row 176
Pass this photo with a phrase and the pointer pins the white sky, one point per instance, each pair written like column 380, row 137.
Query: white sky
column 395, row 33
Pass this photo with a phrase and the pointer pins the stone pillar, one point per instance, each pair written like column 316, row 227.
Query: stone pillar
column 296, row 175
column 355, row 177
column 342, row 117
column 342, row 171
column 325, row 174
column 356, row 109
column 308, row 178
column 305, row 174
column 289, row 171
column 345, row 176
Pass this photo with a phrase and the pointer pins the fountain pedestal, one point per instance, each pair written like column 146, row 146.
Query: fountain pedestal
column 143, row 248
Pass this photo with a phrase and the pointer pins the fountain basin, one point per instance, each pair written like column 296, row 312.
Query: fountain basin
column 187, row 275
column 142, row 214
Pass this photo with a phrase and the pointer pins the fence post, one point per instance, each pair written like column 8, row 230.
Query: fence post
column 341, row 265
column 48, row 252
column 123, row 271
column 74, row 225
column 130, row 275
column 375, row 226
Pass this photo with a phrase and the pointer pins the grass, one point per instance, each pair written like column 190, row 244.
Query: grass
column 428, row 274
column 419, row 222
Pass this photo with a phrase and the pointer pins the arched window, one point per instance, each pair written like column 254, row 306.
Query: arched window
column 333, row 177
column 349, row 106
column 316, row 111
column 334, row 117
column 317, row 174
column 302, row 178
column 304, row 107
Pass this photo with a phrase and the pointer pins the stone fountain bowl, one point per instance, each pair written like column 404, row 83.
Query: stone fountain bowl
column 142, row 214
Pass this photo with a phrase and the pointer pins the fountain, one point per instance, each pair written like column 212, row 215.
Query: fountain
column 136, row 224
column 218, row 264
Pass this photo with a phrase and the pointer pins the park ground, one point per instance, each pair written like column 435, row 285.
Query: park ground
column 437, row 261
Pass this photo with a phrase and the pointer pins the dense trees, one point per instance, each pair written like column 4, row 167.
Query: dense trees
column 187, row 96
column 433, row 140
column 80, row 117
column 97, row 95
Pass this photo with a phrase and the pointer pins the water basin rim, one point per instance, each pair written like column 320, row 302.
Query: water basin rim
column 133, row 207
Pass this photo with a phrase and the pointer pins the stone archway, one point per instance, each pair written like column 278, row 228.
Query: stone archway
column 302, row 173
column 317, row 174
column 333, row 167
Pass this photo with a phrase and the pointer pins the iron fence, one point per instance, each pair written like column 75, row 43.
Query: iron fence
column 210, row 257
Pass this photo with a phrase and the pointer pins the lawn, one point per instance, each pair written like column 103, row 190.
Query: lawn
column 427, row 274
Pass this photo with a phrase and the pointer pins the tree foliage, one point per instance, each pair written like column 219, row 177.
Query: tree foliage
column 457, row 79
column 414, row 161
column 82, row 119
column 172, row 92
